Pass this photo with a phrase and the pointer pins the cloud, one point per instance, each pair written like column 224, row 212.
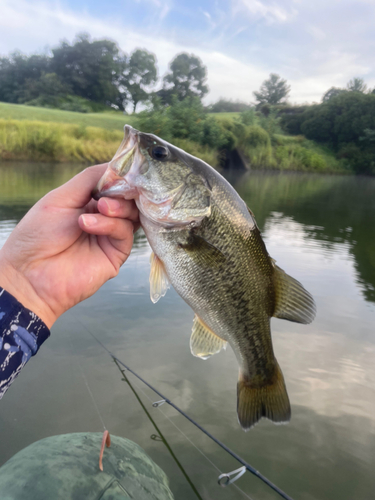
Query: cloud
column 38, row 23
column 317, row 33
column 256, row 9
column 312, row 46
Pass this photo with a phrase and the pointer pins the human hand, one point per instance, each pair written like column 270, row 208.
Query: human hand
column 67, row 246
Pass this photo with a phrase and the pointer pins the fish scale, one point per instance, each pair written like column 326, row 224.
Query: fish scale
column 206, row 243
column 234, row 299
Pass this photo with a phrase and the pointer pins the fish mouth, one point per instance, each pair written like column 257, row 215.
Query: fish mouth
column 122, row 179
column 114, row 186
column 124, row 157
column 114, row 183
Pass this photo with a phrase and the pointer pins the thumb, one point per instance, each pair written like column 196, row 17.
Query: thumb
column 76, row 193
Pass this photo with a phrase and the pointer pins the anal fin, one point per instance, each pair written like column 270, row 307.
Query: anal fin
column 204, row 342
column 159, row 282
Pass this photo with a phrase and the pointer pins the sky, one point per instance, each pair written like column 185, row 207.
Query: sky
column 314, row 45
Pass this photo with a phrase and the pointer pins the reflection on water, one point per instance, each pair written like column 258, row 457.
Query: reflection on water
column 331, row 209
column 6, row 227
column 321, row 230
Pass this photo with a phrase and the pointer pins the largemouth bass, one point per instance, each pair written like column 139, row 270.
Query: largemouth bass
column 206, row 243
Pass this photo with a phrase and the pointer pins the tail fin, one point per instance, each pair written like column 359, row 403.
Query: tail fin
column 270, row 401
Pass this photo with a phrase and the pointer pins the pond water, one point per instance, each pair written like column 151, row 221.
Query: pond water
column 321, row 230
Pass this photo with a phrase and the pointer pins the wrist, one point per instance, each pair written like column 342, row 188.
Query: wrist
column 15, row 283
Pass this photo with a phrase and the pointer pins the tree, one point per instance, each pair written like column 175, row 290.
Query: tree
column 332, row 92
column 273, row 91
column 357, row 85
column 15, row 70
column 92, row 69
column 47, row 89
column 186, row 79
column 87, row 74
column 164, row 96
column 141, row 73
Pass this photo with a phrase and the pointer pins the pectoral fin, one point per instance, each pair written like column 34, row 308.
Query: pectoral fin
column 203, row 252
column 293, row 302
column 159, row 282
column 203, row 342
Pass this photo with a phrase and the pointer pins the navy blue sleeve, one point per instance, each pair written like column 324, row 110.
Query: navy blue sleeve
column 22, row 332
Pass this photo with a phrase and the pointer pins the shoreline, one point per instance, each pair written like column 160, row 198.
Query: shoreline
column 56, row 142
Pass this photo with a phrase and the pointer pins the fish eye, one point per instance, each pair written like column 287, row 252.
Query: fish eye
column 160, row 153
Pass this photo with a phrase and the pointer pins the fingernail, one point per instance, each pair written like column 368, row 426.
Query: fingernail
column 89, row 220
column 112, row 205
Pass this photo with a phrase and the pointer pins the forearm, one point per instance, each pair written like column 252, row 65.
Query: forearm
column 16, row 283
column 22, row 332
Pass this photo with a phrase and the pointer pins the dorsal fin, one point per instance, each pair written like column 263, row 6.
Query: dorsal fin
column 253, row 217
column 250, row 212
column 159, row 282
column 293, row 302
column 203, row 341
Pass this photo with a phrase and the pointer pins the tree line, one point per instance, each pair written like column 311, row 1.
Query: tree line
column 344, row 121
column 90, row 75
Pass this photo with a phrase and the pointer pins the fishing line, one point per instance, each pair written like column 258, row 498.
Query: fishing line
column 88, row 387
column 158, row 430
column 190, row 441
column 164, row 399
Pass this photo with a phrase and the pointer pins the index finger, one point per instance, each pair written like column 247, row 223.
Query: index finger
column 76, row 193
column 120, row 208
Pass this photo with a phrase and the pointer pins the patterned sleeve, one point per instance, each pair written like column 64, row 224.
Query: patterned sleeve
column 22, row 332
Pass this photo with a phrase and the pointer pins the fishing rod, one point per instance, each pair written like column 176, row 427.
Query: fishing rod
column 224, row 479
column 163, row 439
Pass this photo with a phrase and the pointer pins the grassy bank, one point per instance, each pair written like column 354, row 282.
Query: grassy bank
column 60, row 142
column 40, row 134
column 295, row 153
column 110, row 120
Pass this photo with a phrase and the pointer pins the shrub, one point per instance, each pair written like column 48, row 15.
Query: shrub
column 256, row 136
column 249, row 117
column 260, row 156
column 361, row 160
column 296, row 157
column 228, row 106
column 186, row 120
column 271, row 123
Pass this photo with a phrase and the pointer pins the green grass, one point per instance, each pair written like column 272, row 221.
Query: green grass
column 59, row 142
column 111, row 120
column 64, row 142
column 225, row 115
column 41, row 134
column 299, row 153
column 266, row 147
column 293, row 154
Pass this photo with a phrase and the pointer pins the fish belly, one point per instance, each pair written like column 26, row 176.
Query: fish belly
column 229, row 298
